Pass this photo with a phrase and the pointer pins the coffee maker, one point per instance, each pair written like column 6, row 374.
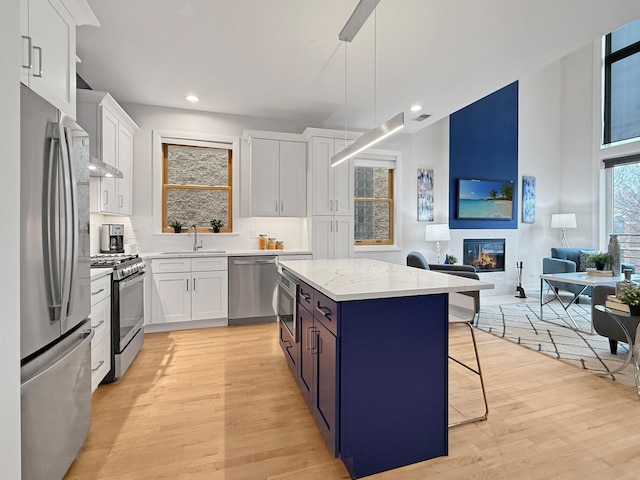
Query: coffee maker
column 112, row 238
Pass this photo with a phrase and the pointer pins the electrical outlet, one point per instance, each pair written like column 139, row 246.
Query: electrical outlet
column 254, row 233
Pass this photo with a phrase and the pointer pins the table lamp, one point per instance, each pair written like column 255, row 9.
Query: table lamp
column 563, row 221
column 438, row 232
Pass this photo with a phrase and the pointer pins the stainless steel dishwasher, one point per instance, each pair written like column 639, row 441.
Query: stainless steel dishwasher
column 253, row 282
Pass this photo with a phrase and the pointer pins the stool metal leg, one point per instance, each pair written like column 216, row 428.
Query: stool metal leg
column 477, row 372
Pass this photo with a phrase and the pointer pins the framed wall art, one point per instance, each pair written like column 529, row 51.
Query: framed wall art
column 425, row 194
column 528, row 199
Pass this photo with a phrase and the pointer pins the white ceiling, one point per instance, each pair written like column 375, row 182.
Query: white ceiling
column 282, row 59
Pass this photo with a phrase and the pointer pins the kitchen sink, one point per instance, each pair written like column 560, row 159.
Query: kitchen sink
column 191, row 252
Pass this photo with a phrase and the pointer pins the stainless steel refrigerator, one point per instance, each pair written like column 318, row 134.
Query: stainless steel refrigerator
column 55, row 297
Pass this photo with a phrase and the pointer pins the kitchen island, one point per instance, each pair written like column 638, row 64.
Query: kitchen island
column 370, row 358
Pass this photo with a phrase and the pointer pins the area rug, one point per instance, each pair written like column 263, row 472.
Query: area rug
column 520, row 323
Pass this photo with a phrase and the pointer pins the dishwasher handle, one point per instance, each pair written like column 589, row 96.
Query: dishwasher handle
column 254, row 262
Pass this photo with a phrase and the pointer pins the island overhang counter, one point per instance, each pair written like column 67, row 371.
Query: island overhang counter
column 370, row 358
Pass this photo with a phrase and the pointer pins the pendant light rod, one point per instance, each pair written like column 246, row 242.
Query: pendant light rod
column 357, row 19
column 370, row 138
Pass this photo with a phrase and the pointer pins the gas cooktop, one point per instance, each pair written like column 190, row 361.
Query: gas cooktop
column 110, row 260
column 123, row 265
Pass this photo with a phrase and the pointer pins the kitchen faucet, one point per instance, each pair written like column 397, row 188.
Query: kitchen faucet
column 195, row 238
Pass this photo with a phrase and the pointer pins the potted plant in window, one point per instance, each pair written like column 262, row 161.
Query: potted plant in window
column 601, row 259
column 452, row 259
column 630, row 295
column 176, row 225
column 216, row 225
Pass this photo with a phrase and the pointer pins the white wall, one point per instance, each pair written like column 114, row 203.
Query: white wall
column 556, row 123
column 141, row 237
column 555, row 145
column 10, row 211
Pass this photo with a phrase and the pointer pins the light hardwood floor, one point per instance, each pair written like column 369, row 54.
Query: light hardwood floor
column 220, row 403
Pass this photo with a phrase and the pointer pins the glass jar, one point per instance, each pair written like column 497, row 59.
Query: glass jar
column 280, row 245
column 271, row 243
column 263, row 241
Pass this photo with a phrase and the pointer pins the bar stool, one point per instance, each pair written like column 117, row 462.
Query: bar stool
column 462, row 312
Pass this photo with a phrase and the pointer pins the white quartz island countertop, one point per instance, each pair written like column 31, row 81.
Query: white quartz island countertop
column 362, row 279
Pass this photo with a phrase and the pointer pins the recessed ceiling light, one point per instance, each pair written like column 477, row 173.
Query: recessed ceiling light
column 192, row 98
column 416, row 108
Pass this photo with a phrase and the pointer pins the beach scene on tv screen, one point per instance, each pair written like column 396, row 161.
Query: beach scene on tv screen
column 490, row 199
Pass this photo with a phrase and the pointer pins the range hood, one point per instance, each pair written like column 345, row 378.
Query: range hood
column 97, row 168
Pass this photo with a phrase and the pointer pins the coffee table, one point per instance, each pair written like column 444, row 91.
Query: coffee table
column 584, row 279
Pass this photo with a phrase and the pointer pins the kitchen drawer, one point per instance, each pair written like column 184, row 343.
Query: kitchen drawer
column 101, row 319
column 100, row 289
column 100, row 361
column 206, row 264
column 305, row 296
column 290, row 349
column 326, row 312
column 168, row 265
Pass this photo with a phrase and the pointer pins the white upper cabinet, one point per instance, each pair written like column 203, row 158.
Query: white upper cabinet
column 48, row 48
column 332, row 187
column 111, row 131
column 278, row 183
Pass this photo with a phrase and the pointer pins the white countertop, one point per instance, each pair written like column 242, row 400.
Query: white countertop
column 362, row 279
column 97, row 273
column 222, row 253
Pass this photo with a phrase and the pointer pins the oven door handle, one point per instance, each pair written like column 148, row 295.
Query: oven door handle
column 131, row 280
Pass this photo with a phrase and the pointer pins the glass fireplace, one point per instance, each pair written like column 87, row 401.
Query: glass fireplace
column 486, row 254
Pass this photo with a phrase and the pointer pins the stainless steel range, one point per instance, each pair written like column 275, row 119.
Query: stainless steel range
column 127, row 309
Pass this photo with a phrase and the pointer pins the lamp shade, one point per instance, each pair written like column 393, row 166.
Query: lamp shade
column 563, row 220
column 436, row 232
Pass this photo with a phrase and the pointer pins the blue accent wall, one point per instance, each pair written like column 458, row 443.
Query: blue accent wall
column 483, row 144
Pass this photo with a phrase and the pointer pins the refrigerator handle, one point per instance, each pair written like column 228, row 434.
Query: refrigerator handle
column 71, row 216
column 64, row 213
column 50, row 233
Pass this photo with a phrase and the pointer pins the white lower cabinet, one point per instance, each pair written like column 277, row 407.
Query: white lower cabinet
column 332, row 237
column 101, row 325
column 186, row 289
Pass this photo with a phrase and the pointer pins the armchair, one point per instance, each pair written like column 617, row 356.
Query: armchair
column 604, row 325
column 567, row 260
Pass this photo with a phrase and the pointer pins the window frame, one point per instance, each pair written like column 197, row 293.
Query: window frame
column 383, row 158
column 610, row 58
column 387, row 200
column 166, row 186
column 191, row 139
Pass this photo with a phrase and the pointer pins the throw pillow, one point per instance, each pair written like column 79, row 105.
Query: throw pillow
column 584, row 261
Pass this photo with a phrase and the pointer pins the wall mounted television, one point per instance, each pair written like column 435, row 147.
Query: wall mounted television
column 485, row 199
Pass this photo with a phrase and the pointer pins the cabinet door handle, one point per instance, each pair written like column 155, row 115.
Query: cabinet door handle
column 281, row 206
column 318, row 343
column 29, row 64
column 106, row 197
column 305, row 295
column 99, row 323
column 39, row 74
column 308, row 337
column 336, row 225
column 331, row 205
column 121, row 201
column 336, row 205
column 324, row 311
column 99, row 291
column 331, row 225
column 187, row 284
column 194, row 284
column 99, row 365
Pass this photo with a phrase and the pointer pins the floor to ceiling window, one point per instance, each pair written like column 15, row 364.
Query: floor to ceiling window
column 621, row 125
column 622, row 84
